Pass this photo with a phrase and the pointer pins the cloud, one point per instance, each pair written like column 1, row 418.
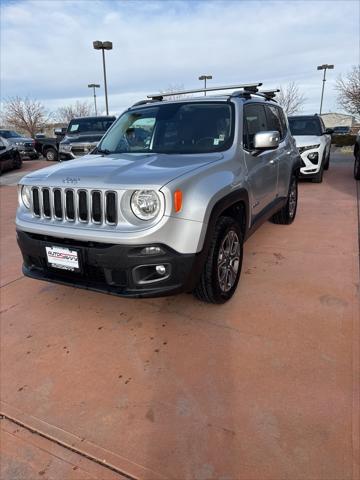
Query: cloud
column 46, row 46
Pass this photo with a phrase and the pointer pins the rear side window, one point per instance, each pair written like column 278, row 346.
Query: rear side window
column 254, row 121
column 273, row 119
column 283, row 123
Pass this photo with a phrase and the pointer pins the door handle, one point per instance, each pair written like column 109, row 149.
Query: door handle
column 272, row 162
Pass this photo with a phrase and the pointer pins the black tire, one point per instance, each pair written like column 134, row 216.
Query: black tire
column 211, row 288
column 51, row 155
column 287, row 214
column 318, row 178
column 327, row 163
column 357, row 166
column 17, row 161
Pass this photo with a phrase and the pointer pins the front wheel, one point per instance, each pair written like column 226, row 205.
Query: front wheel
column 318, row 178
column 17, row 162
column 51, row 155
column 327, row 163
column 357, row 166
column 222, row 268
column 287, row 214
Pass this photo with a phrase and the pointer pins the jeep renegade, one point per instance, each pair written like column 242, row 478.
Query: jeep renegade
column 166, row 200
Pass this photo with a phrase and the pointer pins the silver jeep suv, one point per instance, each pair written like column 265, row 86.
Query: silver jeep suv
column 166, row 201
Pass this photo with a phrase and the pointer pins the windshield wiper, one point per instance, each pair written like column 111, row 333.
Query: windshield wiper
column 105, row 151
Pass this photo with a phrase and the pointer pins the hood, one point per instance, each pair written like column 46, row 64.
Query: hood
column 83, row 137
column 305, row 140
column 19, row 139
column 120, row 170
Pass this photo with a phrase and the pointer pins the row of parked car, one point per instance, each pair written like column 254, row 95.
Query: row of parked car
column 83, row 134
column 79, row 138
column 165, row 201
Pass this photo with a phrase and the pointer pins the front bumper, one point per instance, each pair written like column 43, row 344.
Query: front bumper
column 28, row 152
column 110, row 268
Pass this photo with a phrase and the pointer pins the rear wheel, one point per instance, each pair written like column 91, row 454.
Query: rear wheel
column 221, row 271
column 357, row 166
column 51, row 155
column 287, row 214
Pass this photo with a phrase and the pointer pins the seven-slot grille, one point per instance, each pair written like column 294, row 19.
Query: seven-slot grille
column 69, row 204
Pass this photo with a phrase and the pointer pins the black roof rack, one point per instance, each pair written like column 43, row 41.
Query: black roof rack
column 251, row 87
column 267, row 94
column 247, row 90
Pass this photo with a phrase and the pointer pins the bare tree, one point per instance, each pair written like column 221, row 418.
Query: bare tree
column 24, row 114
column 290, row 98
column 78, row 109
column 175, row 88
column 349, row 91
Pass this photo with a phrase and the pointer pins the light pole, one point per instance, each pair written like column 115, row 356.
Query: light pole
column 205, row 77
column 104, row 46
column 94, row 85
column 324, row 67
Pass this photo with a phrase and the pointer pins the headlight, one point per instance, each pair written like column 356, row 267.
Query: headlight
column 26, row 195
column 145, row 204
column 20, row 143
column 66, row 147
column 308, row 147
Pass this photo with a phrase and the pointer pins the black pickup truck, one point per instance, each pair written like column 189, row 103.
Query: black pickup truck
column 82, row 136
column 49, row 146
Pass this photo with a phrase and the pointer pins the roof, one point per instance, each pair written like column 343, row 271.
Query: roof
column 99, row 117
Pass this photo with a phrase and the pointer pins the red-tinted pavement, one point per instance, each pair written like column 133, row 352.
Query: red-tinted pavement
column 265, row 387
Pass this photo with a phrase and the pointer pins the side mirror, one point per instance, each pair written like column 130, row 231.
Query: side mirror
column 266, row 140
column 329, row 131
column 60, row 131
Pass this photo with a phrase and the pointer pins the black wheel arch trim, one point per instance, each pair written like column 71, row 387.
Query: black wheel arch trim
column 225, row 203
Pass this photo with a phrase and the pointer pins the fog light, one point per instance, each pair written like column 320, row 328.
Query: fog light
column 313, row 156
column 151, row 251
column 160, row 269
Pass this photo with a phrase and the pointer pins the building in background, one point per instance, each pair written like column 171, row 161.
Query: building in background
column 332, row 120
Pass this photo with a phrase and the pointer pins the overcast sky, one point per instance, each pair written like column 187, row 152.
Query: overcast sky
column 47, row 54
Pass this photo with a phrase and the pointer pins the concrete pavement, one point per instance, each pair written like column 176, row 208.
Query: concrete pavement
column 265, row 387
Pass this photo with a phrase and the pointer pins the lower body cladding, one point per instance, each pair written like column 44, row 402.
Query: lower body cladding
column 125, row 270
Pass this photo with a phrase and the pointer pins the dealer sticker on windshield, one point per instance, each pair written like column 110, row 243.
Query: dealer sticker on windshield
column 63, row 258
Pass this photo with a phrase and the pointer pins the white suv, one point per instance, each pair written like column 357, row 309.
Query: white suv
column 313, row 142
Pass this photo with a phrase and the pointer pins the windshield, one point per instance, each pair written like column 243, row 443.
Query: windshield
column 9, row 134
column 304, row 126
column 81, row 125
column 172, row 128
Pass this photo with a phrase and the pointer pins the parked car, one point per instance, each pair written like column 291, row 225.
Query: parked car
column 9, row 156
column 25, row 146
column 48, row 147
column 314, row 143
column 82, row 136
column 357, row 157
column 165, row 212
column 342, row 130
